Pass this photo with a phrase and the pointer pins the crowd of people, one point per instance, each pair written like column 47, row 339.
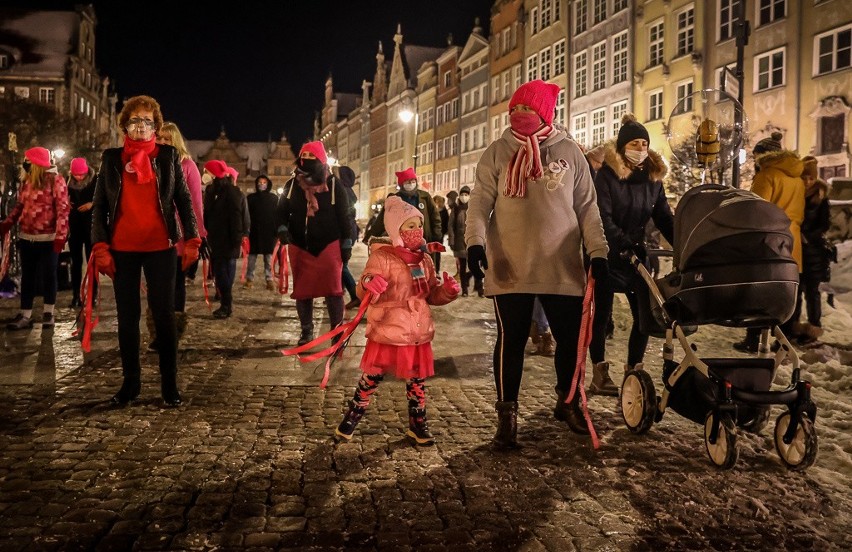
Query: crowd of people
column 542, row 219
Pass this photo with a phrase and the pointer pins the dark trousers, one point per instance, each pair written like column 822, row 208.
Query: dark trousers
column 636, row 344
column 349, row 282
column 305, row 310
column 465, row 276
column 38, row 261
column 180, row 288
column 514, row 315
column 224, row 271
column 78, row 242
column 159, row 269
column 809, row 287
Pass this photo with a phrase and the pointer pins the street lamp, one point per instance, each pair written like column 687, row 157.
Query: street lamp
column 58, row 153
column 406, row 115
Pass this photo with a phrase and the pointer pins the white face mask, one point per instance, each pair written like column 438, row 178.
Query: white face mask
column 206, row 178
column 409, row 186
column 635, row 157
column 464, row 198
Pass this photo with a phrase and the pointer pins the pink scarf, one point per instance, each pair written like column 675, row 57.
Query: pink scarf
column 526, row 163
column 311, row 190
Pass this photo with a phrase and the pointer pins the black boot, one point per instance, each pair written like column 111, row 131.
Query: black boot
column 350, row 420
column 570, row 413
column 129, row 390
column 418, row 428
column 307, row 335
column 169, row 390
column 507, row 425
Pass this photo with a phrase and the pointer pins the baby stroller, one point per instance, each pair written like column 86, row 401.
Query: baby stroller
column 732, row 267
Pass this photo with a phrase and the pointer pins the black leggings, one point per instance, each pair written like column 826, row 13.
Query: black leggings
column 636, row 344
column 514, row 316
column 78, row 242
column 38, row 261
column 809, row 286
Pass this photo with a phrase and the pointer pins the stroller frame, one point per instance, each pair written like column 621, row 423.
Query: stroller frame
column 795, row 436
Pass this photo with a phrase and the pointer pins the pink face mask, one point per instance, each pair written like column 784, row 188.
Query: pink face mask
column 524, row 122
column 412, row 239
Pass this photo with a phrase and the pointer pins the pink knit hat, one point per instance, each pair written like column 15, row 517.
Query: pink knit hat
column 406, row 175
column 79, row 166
column 539, row 95
column 398, row 211
column 317, row 149
column 38, row 156
column 217, row 168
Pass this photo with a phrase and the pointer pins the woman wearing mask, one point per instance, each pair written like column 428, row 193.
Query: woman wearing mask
column 530, row 214
column 455, row 231
column 140, row 195
column 42, row 216
column 630, row 193
column 313, row 217
column 81, row 191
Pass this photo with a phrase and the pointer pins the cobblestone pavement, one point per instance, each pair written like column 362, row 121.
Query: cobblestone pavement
column 248, row 462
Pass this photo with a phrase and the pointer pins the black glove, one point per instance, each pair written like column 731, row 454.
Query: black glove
column 600, row 269
column 283, row 235
column 204, row 250
column 476, row 261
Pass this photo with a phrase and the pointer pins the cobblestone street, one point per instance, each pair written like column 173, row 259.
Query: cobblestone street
column 249, row 462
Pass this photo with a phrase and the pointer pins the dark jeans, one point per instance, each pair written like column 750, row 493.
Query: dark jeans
column 37, row 261
column 809, row 287
column 305, row 310
column 159, row 269
column 636, row 344
column 514, row 315
column 349, row 282
column 77, row 243
column 224, row 271
column 180, row 288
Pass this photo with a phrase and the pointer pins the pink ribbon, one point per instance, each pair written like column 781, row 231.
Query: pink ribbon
column 579, row 381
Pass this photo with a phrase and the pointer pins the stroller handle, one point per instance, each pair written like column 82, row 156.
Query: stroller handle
column 630, row 256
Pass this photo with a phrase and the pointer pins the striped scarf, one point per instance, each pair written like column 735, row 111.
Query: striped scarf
column 526, row 163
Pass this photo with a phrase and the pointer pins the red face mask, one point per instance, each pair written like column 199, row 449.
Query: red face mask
column 412, row 239
column 524, row 122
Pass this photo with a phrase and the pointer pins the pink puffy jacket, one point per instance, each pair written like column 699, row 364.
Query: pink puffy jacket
column 399, row 317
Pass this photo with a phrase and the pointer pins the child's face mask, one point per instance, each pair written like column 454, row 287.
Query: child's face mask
column 412, row 239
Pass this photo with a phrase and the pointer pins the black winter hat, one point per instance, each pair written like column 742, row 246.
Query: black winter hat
column 464, row 190
column 773, row 143
column 347, row 176
column 630, row 130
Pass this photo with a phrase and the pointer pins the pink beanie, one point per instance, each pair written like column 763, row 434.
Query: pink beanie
column 398, row 211
column 539, row 95
column 217, row 168
column 38, row 156
column 405, row 176
column 234, row 174
column 79, row 166
column 317, row 149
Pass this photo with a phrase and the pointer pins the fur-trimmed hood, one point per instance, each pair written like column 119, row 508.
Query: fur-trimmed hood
column 653, row 163
column 785, row 161
column 818, row 192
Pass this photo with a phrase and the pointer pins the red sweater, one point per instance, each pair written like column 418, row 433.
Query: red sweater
column 139, row 223
column 43, row 214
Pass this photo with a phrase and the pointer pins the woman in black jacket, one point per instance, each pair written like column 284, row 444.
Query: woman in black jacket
column 81, row 192
column 630, row 193
column 313, row 219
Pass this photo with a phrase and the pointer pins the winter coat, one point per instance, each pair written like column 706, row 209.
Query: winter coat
column 817, row 251
column 628, row 199
column 223, row 211
column 444, row 213
column 262, row 205
column 80, row 222
column 42, row 214
column 173, row 195
column 193, row 182
column 426, row 205
column 399, row 317
column 455, row 230
column 534, row 243
column 779, row 182
column 330, row 223
column 347, row 178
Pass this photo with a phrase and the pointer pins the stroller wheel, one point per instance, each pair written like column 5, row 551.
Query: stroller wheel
column 801, row 452
column 638, row 401
column 724, row 451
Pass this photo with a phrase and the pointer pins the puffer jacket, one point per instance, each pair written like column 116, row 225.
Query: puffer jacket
column 779, row 181
column 455, row 230
column 399, row 317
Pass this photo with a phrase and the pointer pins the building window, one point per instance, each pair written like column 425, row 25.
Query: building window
column 454, row 144
column 516, row 76
column 22, row 92
column 580, row 129
column 769, row 70
column 559, row 116
column 619, row 58
column 4, row 61
column 770, row 10
column 495, row 89
column 618, row 111
column 599, row 66
column 728, row 17
column 507, row 78
column 655, row 105
column 580, row 76
column 495, row 128
column 831, row 132
column 532, row 68
column 598, row 126
column 684, row 97
column 534, row 21
column 686, row 31
column 655, row 44
column 448, row 79
column 544, row 63
column 455, row 108
column 833, row 50
column 557, row 10
column 581, row 16
column 619, row 5
column 46, row 95
column 598, row 11
column 559, row 58
column 546, row 13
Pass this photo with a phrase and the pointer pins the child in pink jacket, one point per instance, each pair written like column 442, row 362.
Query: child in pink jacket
column 402, row 281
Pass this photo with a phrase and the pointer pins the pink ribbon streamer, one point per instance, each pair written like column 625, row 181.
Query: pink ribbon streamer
column 579, row 381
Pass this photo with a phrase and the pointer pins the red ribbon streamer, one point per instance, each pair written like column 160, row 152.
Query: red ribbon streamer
column 6, row 258
column 279, row 258
column 88, row 317
column 245, row 253
column 579, row 381
column 204, row 268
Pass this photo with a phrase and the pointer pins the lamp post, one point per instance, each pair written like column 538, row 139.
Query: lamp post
column 406, row 115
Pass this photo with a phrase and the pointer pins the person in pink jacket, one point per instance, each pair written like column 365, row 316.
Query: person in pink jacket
column 401, row 278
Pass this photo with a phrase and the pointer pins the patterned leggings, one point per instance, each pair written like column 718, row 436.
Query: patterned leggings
column 415, row 391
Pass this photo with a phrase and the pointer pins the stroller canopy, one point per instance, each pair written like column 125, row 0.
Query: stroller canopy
column 717, row 225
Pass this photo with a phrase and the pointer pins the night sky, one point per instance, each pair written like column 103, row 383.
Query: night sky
column 259, row 69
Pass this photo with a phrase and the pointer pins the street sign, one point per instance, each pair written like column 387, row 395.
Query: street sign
column 730, row 83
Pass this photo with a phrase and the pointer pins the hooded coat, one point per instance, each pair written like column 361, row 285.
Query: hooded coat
column 347, row 178
column 779, row 181
column 426, row 205
column 330, row 223
column 628, row 199
column 223, row 213
column 80, row 193
column 534, row 243
column 817, row 252
column 261, row 206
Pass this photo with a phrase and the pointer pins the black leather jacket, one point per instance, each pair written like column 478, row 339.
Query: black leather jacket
column 174, row 194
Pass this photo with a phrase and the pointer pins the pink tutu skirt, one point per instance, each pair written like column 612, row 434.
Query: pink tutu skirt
column 402, row 361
